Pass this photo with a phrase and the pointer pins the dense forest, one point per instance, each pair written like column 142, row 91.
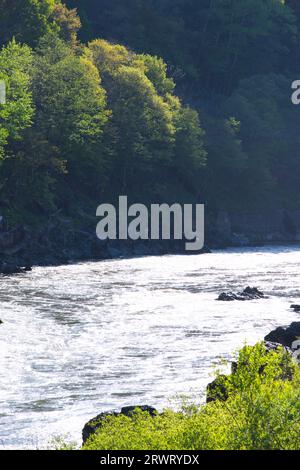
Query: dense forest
column 161, row 100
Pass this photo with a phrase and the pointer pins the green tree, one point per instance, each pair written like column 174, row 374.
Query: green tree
column 215, row 43
column 17, row 113
column 226, row 163
column 269, row 136
column 29, row 20
column 26, row 20
column 62, row 150
column 190, row 156
column 156, row 140
column 71, row 108
column 144, row 126
column 68, row 21
column 156, row 70
column 141, row 121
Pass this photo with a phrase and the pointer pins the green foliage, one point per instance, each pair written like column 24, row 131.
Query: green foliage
column 190, row 154
column 215, row 42
column 154, row 134
column 29, row 20
column 106, row 119
column 68, row 22
column 70, row 102
column 262, row 413
column 70, row 118
column 268, row 124
column 17, row 113
column 65, row 137
column 156, row 70
column 143, row 123
column 234, row 61
column 100, row 118
column 25, row 20
column 108, row 57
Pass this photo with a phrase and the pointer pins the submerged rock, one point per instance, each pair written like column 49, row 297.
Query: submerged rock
column 285, row 336
column 94, row 424
column 250, row 293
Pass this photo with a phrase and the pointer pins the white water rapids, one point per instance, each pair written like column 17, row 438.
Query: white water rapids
column 80, row 339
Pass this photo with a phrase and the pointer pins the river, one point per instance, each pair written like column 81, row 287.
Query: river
column 84, row 338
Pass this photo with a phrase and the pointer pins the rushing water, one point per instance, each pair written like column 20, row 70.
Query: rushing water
column 80, row 339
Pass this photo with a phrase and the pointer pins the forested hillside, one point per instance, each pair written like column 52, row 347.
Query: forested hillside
column 162, row 100
column 234, row 61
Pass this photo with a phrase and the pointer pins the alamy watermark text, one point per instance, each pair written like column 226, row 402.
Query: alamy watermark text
column 160, row 222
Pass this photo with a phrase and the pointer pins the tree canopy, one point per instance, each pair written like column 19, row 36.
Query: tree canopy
column 162, row 100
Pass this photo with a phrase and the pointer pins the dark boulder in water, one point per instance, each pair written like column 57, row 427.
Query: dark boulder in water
column 296, row 308
column 94, row 424
column 250, row 293
column 229, row 297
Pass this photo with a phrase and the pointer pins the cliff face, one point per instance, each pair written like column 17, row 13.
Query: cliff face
column 248, row 228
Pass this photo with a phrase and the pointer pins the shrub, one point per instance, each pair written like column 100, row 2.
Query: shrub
column 262, row 412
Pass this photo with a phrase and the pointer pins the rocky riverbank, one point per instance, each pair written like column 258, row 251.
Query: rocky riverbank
column 253, row 227
column 59, row 242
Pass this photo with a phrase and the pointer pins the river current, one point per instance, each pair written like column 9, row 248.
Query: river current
column 80, row 339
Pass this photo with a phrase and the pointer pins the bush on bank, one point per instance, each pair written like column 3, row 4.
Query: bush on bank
column 262, row 412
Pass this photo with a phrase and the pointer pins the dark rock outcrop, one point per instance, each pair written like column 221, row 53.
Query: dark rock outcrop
column 296, row 308
column 240, row 228
column 58, row 240
column 285, row 336
column 12, row 240
column 12, row 268
column 94, row 424
column 250, row 293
